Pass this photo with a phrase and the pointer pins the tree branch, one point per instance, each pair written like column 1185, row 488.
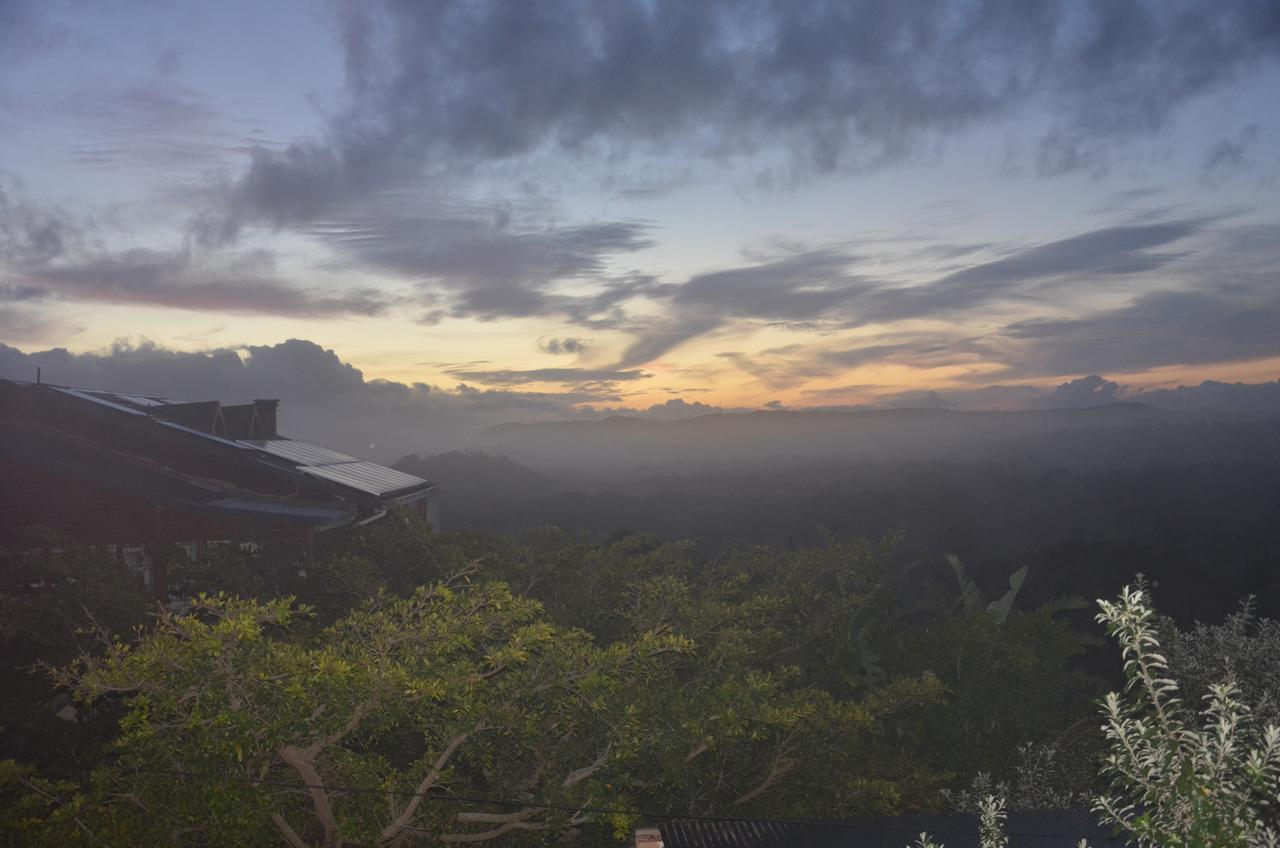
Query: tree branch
column 303, row 765
column 357, row 715
column 579, row 775
column 290, row 835
column 781, row 765
column 392, row 830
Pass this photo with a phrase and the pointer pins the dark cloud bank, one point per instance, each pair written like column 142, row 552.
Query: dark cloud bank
column 331, row 401
column 436, row 88
column 839, row 84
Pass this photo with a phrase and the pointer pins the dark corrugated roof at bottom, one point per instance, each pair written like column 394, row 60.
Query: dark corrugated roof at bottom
column 1029, row 829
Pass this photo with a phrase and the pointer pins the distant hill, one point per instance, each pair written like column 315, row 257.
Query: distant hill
column 474, row 471
column 478, row 489
column 1124, row 433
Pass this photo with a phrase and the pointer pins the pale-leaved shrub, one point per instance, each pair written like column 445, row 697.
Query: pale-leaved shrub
column 1175, row 779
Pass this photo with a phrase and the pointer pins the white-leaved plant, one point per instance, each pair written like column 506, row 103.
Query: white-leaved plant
column 1173, row 782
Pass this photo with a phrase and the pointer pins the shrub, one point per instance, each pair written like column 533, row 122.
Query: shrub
column 1175, row 779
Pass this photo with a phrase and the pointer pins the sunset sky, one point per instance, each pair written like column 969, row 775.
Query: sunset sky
column 622, row 203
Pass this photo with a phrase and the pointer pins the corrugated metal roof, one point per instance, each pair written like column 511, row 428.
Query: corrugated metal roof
column 366, row 477
column 92, row 398
column 231, row 443
column 336, row 467
column 300, row 452
column 140, row 400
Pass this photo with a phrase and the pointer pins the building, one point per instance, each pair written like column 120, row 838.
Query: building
column 136, row 471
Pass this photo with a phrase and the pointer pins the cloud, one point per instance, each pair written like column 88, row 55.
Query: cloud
column 1104, row 252
column 1228, row 157
column 1157, row 329
column 488, row 266
column 47, row 253
column 21, row 323
column 676, row 409
column 1125, row 201
column 569, row 376
column 1083, row 392
column 1215, row 303
column 436, row 89
column 442, row 97
column 811, row 284
column 568, row 344
column 664, row 336
column 774, row 369
column 26, row 31
column 148, row 125
column 185, row 280
column 802, row 286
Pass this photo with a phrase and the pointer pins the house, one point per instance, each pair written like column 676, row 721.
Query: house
column 137, row 471
column 1024, row 829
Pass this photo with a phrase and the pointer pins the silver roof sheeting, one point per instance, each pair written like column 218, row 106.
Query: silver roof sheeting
column 298, row 451
column 367, row 477
column 327, row 464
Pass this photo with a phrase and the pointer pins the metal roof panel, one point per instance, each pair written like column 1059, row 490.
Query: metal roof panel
column 231, row 443
column 83, row 395
column 368, row 477
column 299, row 452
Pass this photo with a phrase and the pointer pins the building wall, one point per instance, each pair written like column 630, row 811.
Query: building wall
column 91, row 513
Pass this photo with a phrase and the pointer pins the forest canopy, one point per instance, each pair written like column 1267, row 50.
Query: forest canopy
column 413, row 687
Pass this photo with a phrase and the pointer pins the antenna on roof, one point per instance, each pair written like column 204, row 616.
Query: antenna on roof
column 37, row 375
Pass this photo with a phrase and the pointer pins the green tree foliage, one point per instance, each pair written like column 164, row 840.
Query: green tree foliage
column 56, row 603
column 819, row 682
column 838, row 620
column 34, row 808
column 235, row 733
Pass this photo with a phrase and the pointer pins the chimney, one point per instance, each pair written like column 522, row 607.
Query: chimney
column 267, row 416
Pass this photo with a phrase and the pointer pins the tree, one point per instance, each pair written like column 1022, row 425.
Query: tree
column 370, row 732
column 55, row 604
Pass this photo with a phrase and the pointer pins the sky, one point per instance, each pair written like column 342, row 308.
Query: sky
column 550, row 209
